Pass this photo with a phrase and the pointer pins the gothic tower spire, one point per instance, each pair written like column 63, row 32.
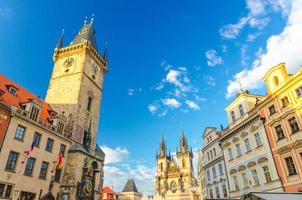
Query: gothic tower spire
column 183, row 143
column 162, row 147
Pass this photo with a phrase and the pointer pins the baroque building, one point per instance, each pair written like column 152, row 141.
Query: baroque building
column 51, row 145
column 281, row 111
column 213, row 166
column 249, row 162
column 175, row 178
column 201, row 176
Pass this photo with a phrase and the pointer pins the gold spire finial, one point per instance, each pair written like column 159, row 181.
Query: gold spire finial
column 85, row 20
column 92, row 18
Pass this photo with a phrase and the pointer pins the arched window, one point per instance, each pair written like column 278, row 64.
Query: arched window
column 183, row 163
column 233, row 116
column 241, row 110
column 161, row 166
column 276, row 80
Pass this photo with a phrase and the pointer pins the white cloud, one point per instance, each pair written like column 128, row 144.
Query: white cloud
column 285, row 47
column 115, row 155
column 171, row 102
column 256, row 17
column 231, row 31
column 132, row 91
column 213, row 58
column 118, row 169
column 192, row 105
column 153, row 107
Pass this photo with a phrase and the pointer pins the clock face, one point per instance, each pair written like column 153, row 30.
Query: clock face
column 68, row 62
column 94, row 69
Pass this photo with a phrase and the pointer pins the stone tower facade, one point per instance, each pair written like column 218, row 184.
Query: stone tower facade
column 175, row 177
column 75, row 90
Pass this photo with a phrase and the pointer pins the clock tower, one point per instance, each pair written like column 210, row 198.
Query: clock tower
column 75, row 90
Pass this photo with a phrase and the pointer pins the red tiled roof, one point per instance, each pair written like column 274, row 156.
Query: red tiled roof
column 107, row 190
column 22, row 96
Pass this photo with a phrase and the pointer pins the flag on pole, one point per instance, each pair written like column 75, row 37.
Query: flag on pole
column 59, row 164
column 30, row 150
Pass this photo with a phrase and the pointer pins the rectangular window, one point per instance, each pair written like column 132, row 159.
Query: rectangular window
column 34, row 113
column 57, row 175
column 255, row 177
column 43, row 170
column 49, row 144
column 290, row 166
column 267, row 174
column 279, row 132
column 214, row 172
column 214, row 152
column 2, row 187
column 37, row 139
column 208, row 155
column 230, row 154
column 217, row 193
column 12, row 161
column 224, row 189
column 238, row 149
column 247, row 145
column 62, row 149
column 236, row 183
column 244, row 178
column 60, row 127
column 29, row 166
column 89, row 103
column 299, row 91
column 220, row 169
column 285, row 101
column 272, row 109
column 8, row 191
column 209, row 175
column 293, row 124
column 211, row 193
column 20, row 132
column 5, row 190
column 258, row 139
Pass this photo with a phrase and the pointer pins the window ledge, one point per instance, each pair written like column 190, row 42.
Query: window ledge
column 248, row 151
column 293, row 132
column 29, row 175
column 239, row 156
column 278, row 140
column 20, row 140
column 10, row 170
column 42, row 178
column 259, row 146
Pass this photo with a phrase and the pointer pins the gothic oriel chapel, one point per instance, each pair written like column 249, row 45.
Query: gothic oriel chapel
column 75, row 89
column 175, row 179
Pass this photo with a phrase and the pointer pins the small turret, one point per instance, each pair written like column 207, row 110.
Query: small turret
column 183, row 143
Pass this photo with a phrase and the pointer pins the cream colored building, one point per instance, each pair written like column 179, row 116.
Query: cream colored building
column 67, row 122
column 201, row 176
column 249, row 162
column 130, row 192
column 213, row 165
column 175, row 179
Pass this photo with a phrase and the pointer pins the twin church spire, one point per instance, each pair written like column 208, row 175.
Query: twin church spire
column 181, row 149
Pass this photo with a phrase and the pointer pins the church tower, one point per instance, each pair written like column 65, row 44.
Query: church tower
column 75, row 90
column 76, row 84
column 175, row 177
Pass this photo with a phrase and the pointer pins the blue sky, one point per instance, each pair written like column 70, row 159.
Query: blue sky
column 172, row 64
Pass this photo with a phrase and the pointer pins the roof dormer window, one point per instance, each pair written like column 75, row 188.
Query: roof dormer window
column 34, row 113
column 13, row 90
column 276, row 80
column 60, row 127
